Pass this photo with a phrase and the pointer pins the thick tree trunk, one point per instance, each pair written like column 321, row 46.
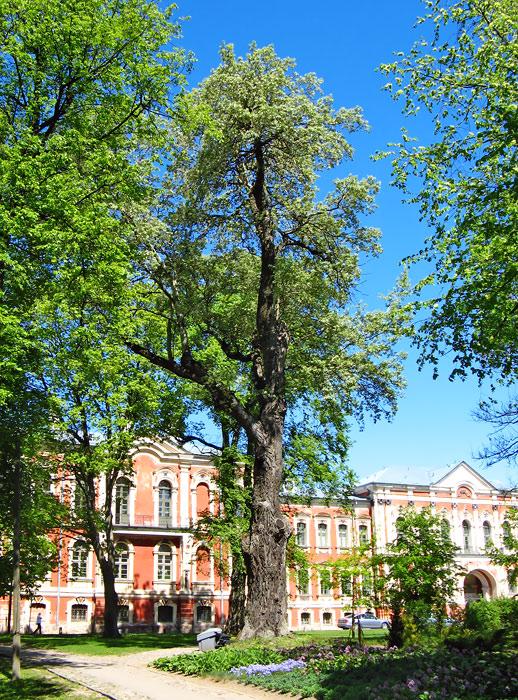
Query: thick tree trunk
column 111, row 599
column 237, row 602
column 265, row 552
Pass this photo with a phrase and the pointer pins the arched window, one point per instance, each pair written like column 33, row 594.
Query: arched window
column 165, row 563
column 486, row 527
column 164, row 504
column 122, row 489
column 202, row 499
column 466, row 536
column 322, row 535
column 79, row 612
column 121, row 561
column 305, row 618
column 79, row 559
column 202, row 564
column 343, row 536
column 301, row 534
column 363, row 534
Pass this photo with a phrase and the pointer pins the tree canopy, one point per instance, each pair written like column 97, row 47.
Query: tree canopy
column 464, row 73
column 245, row 280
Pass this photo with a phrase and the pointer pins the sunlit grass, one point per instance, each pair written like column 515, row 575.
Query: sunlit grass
column 95, row 645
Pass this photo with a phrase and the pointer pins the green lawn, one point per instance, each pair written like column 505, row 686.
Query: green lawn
column 38, row 683
column 295, row 639
column 94, row 645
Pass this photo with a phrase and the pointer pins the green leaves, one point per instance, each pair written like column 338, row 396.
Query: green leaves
column 468, row 174
column 422, row 573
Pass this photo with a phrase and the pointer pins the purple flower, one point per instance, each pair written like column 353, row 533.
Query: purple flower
column 267, row 669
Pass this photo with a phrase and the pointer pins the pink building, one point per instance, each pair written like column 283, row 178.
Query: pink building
column 167, row 580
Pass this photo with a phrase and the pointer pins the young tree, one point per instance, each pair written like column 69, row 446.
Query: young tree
column 250, row 271
column 101, row 402
column 225, row 530
column 422, row 574
column 28, row 511
column 464, row 74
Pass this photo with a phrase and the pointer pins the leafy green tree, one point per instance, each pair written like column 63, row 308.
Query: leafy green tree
column 83, row 88
column 245, row 273
column 422, row 574
column 225, row 530
column 463, row 72
column 354, row 576
column 507, row 556
column 101, row 402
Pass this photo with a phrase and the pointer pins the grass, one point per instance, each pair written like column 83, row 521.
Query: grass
column 95, row 645
column 296, row 639
column 39, row 683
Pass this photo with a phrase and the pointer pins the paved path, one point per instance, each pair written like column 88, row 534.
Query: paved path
column 129, row 677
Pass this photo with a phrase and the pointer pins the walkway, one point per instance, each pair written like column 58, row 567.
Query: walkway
column 129, row 677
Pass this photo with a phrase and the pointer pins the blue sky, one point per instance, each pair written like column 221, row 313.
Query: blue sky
column 343, row 42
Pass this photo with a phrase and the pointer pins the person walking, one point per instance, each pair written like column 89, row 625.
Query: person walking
column 39, row 620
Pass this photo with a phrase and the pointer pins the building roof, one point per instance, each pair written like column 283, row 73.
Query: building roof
column 442, row 477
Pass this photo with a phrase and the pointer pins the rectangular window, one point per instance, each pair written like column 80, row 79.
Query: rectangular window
column 203, row 613
column 303, row 581
column 346, row 584
column 301, row 534
column 325, row 583
column 367, row 585
column 305, row 618
column 79, row 612
column 165, row 613
column 123, row 613
column 343, row 536
column 327, row 618
column 364, row 534
column 322, row 535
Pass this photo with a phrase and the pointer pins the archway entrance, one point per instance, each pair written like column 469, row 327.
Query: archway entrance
column 478, row 584
column 472, row 588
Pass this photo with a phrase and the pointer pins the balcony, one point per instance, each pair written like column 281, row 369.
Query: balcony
column 146, row 524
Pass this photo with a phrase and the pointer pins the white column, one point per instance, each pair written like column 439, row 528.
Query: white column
column 184, row 496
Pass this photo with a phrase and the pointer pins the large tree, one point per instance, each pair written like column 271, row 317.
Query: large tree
column 81, row 91
column 463, row 72
column 247, row 273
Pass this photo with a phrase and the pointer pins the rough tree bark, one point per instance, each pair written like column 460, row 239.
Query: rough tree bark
column 237, row 602
column 265, row 547
column 111, row 599
column 265, row 551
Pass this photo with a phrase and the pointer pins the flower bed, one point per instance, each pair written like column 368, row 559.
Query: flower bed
column 426, row 675
column 338, row 671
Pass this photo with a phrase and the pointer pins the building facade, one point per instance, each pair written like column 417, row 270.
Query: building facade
column 167, row 580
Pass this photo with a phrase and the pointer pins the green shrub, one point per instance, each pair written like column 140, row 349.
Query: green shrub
column 217, row 661
column 490, row 615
